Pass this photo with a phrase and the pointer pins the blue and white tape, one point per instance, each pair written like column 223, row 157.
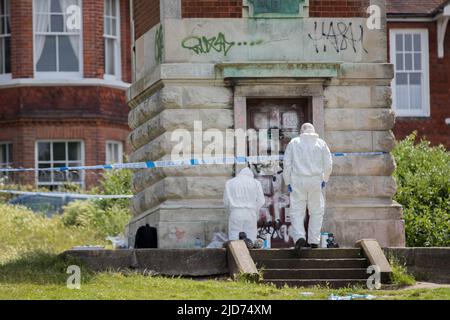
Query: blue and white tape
column 182, row 163
column 69, row 195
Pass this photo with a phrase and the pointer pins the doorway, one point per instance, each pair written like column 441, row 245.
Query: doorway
column 286, row 115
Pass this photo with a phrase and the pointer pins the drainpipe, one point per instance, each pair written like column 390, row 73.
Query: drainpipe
column 442, row 23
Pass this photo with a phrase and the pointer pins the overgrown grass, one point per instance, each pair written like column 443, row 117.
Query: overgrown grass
column 400, row 274
column 23, row 232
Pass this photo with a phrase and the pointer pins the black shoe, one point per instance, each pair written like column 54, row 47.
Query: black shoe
column 248, row 242
column 299, row 245
column 314, row 246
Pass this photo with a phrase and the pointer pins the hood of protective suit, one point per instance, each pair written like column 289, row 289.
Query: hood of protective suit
column 244, row 192
column 246, row 172
column 307, row 155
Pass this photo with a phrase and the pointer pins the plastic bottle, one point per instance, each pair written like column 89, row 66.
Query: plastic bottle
column 197, row 243
column 267, row 242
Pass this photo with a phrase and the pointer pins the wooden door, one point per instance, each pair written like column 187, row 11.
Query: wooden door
column 286, row 115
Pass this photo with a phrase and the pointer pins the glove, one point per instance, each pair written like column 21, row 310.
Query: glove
column 324, row 184
column 289, row 188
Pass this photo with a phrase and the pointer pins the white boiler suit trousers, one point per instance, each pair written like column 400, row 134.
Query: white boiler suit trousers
column 307, row 192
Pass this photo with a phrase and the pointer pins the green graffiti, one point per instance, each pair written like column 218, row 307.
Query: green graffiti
column 159, row 44
column 204, row 44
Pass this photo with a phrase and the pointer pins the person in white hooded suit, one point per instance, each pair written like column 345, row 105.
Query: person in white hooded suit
column 307, row 168
column 243, row 198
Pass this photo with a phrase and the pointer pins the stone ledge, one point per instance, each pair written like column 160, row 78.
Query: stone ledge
column 277, row 70
column 240, row 262
column 170, row 262
column 376, row 257
column 427, row 264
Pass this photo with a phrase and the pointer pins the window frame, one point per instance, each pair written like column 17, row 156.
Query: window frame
column 5, row 75
column 9, row 158
column 117, row 46
column 425, row 54
column 120, row 149
column 51, row 162
column 58, row 74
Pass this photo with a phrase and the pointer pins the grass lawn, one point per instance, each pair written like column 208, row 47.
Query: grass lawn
column 42, row 276
column 30, row 268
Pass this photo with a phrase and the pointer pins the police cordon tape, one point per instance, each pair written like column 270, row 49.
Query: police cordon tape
column 182, row 163
column 69, row 195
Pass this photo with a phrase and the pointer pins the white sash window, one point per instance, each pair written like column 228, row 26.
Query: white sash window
column 5, row 37
column 112, row 39
column 57, row 38
column 409, row 54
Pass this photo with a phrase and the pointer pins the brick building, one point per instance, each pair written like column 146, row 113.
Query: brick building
column 419, row 47
column 261, row 65
column 65, row 66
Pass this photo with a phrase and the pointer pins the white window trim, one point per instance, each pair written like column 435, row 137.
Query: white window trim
column 118, row 57
column 5, row 76
column 120, row 143
column 55, row 74
column 425, row 111
column 36, row 161
column 6, row 164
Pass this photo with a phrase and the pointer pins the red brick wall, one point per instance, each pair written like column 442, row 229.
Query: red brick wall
column 434, row 127
column 93, row 134
column 211, row 8
column 146, row 15
column 233, row 9
column 125, row 40
column 338, row 8
column 93, row 42
column 21, row 39
column 68, row 102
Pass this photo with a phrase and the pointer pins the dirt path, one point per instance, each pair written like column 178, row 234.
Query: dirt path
column 426, row 285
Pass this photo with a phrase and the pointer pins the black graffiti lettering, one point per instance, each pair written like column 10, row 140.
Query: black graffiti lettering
column 339, row 36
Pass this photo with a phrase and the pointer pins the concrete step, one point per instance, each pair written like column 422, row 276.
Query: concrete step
column 312, row 263
column 306, row 253
column 322, row 274
column 331, row 283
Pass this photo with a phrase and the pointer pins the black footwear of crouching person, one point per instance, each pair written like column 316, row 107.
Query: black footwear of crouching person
column 314, row 246
column 248, row 242
column 301, row 243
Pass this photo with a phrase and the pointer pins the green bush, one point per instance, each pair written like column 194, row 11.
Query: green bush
column 423, row 178
column 90, row 215
column 107, row 217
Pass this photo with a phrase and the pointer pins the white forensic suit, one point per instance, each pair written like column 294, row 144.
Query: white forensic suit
column 243, row 198
column 307, row 165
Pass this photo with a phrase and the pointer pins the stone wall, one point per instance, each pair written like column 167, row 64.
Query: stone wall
column 426, row 264
column 205, row 69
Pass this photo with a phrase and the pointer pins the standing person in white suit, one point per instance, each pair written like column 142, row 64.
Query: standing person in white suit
column 307, row 169
column 243, row 198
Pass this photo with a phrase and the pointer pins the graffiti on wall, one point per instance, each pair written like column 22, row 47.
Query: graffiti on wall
column 159, row 44
column 219, row 43
column 339, row 36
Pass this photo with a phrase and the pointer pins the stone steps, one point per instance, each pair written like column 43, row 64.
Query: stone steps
column 302, row 274
column 331, row 283
column 312, row 263
column 335, row 268
column 306, row 254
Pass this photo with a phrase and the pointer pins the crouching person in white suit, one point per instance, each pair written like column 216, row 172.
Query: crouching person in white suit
column 307, row 168
column 243, row 199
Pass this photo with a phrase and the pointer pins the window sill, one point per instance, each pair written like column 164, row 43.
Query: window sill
column 24, row 82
